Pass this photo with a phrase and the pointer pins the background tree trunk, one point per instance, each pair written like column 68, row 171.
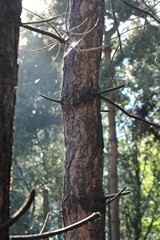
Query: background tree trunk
column 113, row 208
column 83, row 191
column 9, row 35
column 113, row 176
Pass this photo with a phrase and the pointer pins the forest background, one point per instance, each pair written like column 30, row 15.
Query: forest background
column 38, row 144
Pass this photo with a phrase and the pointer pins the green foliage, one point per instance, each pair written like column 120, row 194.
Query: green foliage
column 139, row 156
column 138, row 143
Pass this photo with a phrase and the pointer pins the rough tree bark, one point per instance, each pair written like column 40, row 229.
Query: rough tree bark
column 114, row 223
column 9, row 35
column 83, row 191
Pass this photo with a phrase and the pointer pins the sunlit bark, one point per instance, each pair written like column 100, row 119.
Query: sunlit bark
column 83, row 192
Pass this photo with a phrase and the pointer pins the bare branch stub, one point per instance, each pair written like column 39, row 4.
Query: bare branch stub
column 51, row 99
column 110, row 89
column 102, row 110
column 59, row 231
column 19, row 213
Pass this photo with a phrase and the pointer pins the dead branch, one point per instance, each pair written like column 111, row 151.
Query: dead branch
column 19, row 213
column 52, row 35
column 104, row 110
column 45, row 20
column 141, row 35
column 149, row 8
column 59, row 231
column 114, row 194
column 110, row 64
column 51, row 99
column 129, row 114
column 116, row 26
column 58, row 51
column 48, row 22
column 93, row 48
column 146, row 12
column 110, row 89
column 50, row 46
column 45, row 222
column 70, row 31
column 86, row 32
column 106, row 45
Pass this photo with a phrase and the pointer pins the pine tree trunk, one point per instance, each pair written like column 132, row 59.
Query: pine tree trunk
column 9, row 35
column 83, row 191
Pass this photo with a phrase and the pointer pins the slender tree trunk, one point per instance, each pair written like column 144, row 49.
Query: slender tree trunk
column 9, row 35
column 114, row 223
column 83, row 191
column 113, row 177
column 137, row 217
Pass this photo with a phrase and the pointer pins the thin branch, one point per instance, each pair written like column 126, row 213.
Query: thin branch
column 33, row 13
column 59, row 39
column 50, row 46
column 116, row 25
column 70, row 31
column 75, row 43
column 45, row 20
column 141, row 10
column 84, row 33
column 102, row 46
column 19, row 213
column 54, row 28
column 110, row 89
column 45, row 223
column 110, row 64
column 37, row 15
column 150, row 8
column 141, row 35
column 114, row 194
column 58, row 51
column 151, row 224
column 104, row 110
column 51, row 99
column 59, row 231
column 129, row 114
